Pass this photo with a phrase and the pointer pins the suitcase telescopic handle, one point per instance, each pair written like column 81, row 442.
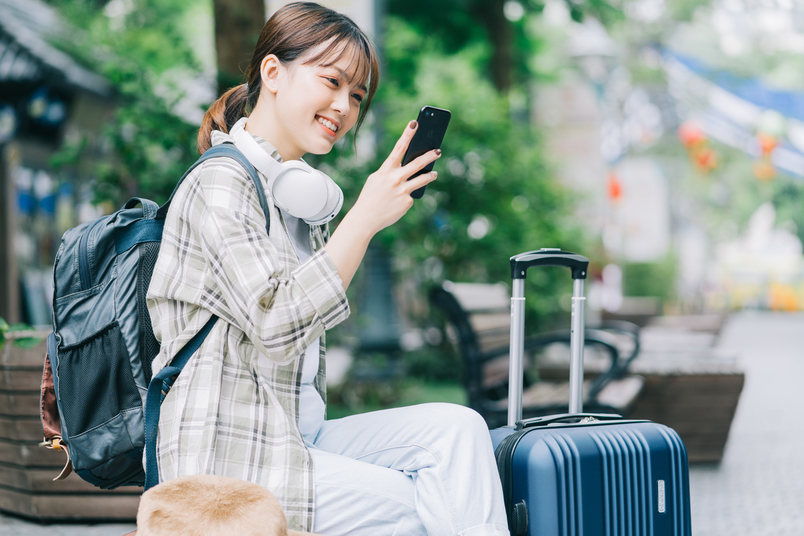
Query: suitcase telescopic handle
column 577, row 264
column 520, row 264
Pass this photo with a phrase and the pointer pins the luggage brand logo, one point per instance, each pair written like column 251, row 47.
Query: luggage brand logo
column 661, row 497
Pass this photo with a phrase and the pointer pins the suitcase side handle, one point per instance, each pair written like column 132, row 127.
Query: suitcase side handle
column 566, row 417
column 520, row 264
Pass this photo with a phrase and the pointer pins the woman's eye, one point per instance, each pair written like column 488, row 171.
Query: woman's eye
column 333, row 81
column 358, row 97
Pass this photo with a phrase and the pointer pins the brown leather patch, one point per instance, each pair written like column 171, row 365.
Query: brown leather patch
column 49, row 409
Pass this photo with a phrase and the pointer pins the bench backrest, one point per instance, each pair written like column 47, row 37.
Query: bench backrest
column 479, row 313
column 487, row 308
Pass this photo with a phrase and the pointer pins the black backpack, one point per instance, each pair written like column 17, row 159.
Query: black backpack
column 98, row 362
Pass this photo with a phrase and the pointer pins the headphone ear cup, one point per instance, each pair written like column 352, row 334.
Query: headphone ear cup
column 333, row 204
column 297, row 188
column 300, row 190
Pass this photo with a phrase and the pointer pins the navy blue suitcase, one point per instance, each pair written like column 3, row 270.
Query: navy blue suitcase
column 580, row 474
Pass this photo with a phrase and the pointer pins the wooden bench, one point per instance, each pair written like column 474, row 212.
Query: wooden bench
column 686, row 382
column 26, row 470
column 479, row 317
column 690, row 385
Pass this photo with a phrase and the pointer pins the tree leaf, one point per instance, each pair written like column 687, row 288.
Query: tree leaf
column 19, row 327
column 28, row 342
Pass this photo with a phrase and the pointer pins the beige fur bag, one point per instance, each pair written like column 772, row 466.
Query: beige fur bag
column 206, row 505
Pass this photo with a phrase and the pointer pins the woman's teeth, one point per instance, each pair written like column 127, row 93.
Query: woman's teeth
column 329, row 124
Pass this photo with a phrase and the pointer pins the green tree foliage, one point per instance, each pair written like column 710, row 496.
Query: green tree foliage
column 21, row 342
column 139, row 46
column 655, row 279
column 494, row 196
column 500, row 24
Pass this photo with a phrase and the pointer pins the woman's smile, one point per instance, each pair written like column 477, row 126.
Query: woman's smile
column 330, row 127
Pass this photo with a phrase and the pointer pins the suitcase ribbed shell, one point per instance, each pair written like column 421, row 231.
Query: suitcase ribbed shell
column 613, row 479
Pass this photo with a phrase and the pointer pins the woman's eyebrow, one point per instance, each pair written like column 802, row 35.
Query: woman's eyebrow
column 346, row 76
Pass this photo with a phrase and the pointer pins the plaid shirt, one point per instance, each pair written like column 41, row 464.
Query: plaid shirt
column 234, row 409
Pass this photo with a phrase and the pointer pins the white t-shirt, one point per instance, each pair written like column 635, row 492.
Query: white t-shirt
column 311, row 405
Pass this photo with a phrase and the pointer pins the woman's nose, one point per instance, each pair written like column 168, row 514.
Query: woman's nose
column 341, row 103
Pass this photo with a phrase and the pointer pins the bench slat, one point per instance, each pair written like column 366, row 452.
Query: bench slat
column 475, row 297
column 45, row 506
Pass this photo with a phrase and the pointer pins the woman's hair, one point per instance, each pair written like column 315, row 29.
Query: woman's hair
column 293, row 31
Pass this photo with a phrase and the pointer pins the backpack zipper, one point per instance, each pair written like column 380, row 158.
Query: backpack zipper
column 83, row 257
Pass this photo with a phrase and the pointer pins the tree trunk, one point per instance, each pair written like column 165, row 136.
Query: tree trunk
column 490, row 14
column 238, row 24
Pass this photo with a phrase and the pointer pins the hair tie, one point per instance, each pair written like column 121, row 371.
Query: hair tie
column 246, row 84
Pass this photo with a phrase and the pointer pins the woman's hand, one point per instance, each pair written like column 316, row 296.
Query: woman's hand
column 384, row 199
column 386, row 195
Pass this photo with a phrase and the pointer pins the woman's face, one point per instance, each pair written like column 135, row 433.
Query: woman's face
column 316, row 106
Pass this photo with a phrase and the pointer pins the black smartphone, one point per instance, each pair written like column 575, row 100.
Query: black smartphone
column 432, row 127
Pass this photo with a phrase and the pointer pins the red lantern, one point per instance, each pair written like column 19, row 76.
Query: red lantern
column 701, row 155
column 615, row 188
column 690, row 135
column 763, row 167
column 706, row 159
column 767, row 143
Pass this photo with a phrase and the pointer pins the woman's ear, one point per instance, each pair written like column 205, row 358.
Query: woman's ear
column 270, row 71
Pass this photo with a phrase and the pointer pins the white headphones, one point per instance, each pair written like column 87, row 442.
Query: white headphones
column 295, row 186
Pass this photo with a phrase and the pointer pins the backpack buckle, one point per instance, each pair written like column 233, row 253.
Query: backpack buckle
column 55, row 443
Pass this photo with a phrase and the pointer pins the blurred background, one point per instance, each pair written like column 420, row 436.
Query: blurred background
column 662, row 139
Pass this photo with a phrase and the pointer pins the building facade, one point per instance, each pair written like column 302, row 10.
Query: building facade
column 47, row 102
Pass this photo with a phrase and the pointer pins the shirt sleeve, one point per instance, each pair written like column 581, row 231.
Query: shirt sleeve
column 282, row 316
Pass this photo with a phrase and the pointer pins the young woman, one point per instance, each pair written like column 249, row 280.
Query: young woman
column 251, row 402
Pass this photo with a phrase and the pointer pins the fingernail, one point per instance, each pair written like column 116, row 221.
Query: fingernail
column 438, row 152
column 413, row 124
column 434, row 174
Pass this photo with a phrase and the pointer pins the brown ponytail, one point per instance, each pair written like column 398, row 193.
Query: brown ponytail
column 291, row 32
column 223, row 113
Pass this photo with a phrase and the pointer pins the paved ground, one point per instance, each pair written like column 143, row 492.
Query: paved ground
column 758, row 488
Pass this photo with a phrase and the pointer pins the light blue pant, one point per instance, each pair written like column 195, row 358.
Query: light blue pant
column 419, row 470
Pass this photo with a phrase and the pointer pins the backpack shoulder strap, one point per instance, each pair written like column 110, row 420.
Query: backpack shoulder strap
column 157, row 390
column 149, row 208
column 230, row 151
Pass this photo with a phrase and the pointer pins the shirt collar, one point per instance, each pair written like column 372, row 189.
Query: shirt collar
column 219, row 137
